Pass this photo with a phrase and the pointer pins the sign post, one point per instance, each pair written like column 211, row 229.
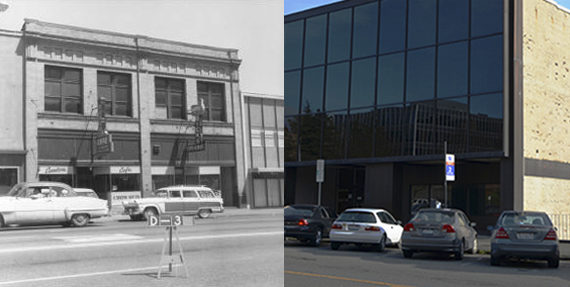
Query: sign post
column 320, row 177
column 449, row 170
column 171, row 222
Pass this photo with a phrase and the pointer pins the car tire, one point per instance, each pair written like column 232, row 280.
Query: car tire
column 335, row 245
column 148, row 212
column 138, row 217
column 554, row 262
column 316, row 241
column 495, row 261
column 79, row 220
column 459, row 254
column 382, row 245
column 204, row 213
column 475, row 247
column 408, row 253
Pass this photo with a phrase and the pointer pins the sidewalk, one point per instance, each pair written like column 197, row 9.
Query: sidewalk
column 484, row 242
column 116, row 213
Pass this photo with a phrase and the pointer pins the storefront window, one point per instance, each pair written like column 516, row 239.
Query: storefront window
column 8, row 178
column 125, row 182
column 160, row 181
column 63, row 178
column 210, row 180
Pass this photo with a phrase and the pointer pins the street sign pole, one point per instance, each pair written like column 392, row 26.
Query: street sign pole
column 320, row 177
column 449, row 171
column 445, row 173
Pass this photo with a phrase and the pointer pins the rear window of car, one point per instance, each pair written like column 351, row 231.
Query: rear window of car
column 357, row 216
column 301, row 211
column 433, row 217
column 206, row 194
column 521, row 219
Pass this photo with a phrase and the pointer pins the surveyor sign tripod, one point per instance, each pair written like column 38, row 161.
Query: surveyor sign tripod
column 172, row 223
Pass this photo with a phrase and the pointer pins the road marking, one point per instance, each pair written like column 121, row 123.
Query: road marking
column 130, row 242
column 101, row 238
column 81, row 275
column 344, row 279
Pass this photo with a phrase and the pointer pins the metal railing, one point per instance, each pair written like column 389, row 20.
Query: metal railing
column 562, row 222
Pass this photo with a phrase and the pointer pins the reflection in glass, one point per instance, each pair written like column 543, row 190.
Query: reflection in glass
column 362, row 87
column 313, row 81
column 339, row 35
column 365, row 30
column 310, row 136
column 391, row 79
column 292, row 89
column 486, row 123
column 291, row 132
column 334, row 135
column 361, row 133
column 487, row 65
column 451, row 124
column 293, row 44
column 315, row 38
column 417, row 127
column 337, row 87
column 421, row 23
column 420, row 75
column 486, row 17
column 388, row 131
column 453, row 20
column 452, row 70
column 392, row 25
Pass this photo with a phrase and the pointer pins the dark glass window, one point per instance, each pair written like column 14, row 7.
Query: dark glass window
column 315, row 38
column 392, row 25
column 487, row 65
column 310, row 136
column 63, row 90
column 361, row 133
column 453, row 20
column 388, row 131
column 293, row 44
column 490, row 105
column 114, row 91
column 421, row 23
column 212, row 95
column 337, row 87
column 170, row 95
column 365, row 30
column 486, row 17
column 391, row 79
column 420, row 75
column 486, row 122
column 452, row 70
column 334, row 135
column 291, row 132
column 292, row 90
column 362, row 86
column 339, row 35
column 451, row 124
column 313, row 82
column 417, row 128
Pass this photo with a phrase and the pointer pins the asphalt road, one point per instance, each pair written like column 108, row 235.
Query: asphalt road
column 350, row 266
column 219, row 251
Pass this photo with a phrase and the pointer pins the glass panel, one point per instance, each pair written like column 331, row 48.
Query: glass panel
column 52, row 104
column 388, row 131
column 313, row 90
column 334, row 135
column 121, row 109
column 103, row 79
column 124, row 80
column 292, row 87
column 108, row 107
column 337, row 87
column 339, row 35
column 362, row 87
column 104, row 92
column 310, row 136
column 291, row 131
column 52, row 73
column 176, row 99
column 217, row 101
column 279, row 114
column 453, row 20
column 486, row 17
column 202, row 87
column 160, row 98
column 418, row 135
column 176, row 112
column 72, row 106
column 487, row 65
column 71, row 90
column 315, row 38
column 72, row 75
column 451, row 124
column 452, row 70
column 217, row 115
column 365, row 30
column 421, row 23
column 391, row 79
column 122, row 94
column 52, row 89
column 486, row 122
column 217, row 89
column 255, row 119
column 420, row 75
column 269, row 113
column 176, row 85
column 160, row 83
column 293, row 44
column 392, row 25
column 361, row 133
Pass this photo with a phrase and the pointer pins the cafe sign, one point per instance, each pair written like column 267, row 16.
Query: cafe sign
column 125, row 170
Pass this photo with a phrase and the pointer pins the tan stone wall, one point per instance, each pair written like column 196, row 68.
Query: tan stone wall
column 546, row 81
column 546, row 194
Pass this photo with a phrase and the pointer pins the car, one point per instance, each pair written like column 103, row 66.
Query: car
column 525, row 234
column 183, row 199
column 307, row 222
column 365, row 226
column 40, row 203
column 439, row 230
column 85, row 192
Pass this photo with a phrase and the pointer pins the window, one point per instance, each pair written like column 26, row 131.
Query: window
column 365, row 30
column 421, row 23
column 392, row 25
column 391, row 79
column 339, row 35
column 452, row 70
column 362, row 88
column 175, row 194
column 315, row 38
column 189, row 194
column 206, row 194
column 63, row 90
column 170, row 97
column 8, row 178
column 420, row 75
column 212, row 96
column 312, row 100
column 337, row 87
column 324, row 213
column 292, row 89
column 114, row 90
column 293, row 44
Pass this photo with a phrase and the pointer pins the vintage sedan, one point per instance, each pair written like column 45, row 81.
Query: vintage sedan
column 525, row 234
column 39, row 203
column 186, row 200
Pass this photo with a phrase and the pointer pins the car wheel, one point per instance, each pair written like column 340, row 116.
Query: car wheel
column 407, row 253
column 317, row 239
column 382, row 245
column 459, row 254
column 137, row 217
column 79, row 220
column 475, row 247
column 204, row 213
column 149, row 212
column 553, row 263
column 495, row 261
column 335, row 245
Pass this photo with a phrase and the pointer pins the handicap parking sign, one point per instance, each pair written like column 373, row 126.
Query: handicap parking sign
column 450, row 167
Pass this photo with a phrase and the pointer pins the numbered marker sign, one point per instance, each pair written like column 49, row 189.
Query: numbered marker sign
column 169, row 220
column 450, row 167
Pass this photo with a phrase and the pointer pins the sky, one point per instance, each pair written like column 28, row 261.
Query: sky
column 255, row 27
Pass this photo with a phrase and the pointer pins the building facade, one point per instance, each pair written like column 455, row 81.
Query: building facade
column 377, row 87
column 66, row 88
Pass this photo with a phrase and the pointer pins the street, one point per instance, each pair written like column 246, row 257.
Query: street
column 351, row 266
column 239, row 250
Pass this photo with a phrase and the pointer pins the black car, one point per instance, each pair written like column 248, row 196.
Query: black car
column 307, row 223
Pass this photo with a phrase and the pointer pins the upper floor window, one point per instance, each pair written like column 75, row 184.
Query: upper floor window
column 114, row 90
column 212, row 95
column 63, row 90
column 170, row 97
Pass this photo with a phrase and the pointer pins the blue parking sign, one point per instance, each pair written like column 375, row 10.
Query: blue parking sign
column 450, row 167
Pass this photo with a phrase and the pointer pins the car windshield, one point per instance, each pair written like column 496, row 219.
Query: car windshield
column 522, row 219
column 357, row 216
column 16, row 190
column 305, row 211
column 433, row 216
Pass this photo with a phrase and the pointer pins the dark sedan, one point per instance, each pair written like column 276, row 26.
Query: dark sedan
column 525, row 234
column 307, row 223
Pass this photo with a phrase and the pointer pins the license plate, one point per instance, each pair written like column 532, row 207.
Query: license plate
column 525, row 235
column 427, row 231
column 353, row 227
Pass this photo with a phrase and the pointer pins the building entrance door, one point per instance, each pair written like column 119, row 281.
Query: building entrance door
column 350, row 188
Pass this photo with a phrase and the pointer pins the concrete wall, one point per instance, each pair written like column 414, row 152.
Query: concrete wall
column 546, row 92
column 11, row 92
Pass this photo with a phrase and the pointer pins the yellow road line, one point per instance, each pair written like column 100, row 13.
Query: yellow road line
column 344, row 279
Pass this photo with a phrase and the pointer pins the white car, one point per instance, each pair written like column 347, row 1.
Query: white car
column 38, row 203
column 366, row 226
column 86, row 192
column 186, row 200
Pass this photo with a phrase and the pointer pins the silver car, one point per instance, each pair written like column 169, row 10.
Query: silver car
column 525, row 234
column 439, row 230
